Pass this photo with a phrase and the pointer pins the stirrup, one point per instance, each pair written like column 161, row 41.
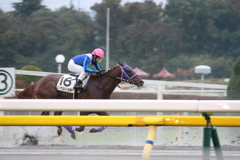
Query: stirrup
column 79, row 81
column 78, row 85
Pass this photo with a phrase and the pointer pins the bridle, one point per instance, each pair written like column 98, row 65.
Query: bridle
column 125, row 77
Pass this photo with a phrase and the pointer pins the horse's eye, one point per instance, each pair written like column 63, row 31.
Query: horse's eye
column 130, row 72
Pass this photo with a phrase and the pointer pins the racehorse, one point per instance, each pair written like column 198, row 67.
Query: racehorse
column 99, row 87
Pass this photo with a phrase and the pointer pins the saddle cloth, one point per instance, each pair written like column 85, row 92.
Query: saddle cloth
column 66, row 83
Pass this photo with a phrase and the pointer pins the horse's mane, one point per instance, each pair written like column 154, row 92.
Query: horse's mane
column 112, row 68
column 115, row 66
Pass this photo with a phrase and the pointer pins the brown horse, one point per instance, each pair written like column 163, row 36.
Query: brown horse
column 99, row 87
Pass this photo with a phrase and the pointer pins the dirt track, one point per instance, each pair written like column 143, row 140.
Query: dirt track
column 109, row 153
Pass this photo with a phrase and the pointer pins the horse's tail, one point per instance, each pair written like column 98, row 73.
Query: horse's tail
column 27, row 93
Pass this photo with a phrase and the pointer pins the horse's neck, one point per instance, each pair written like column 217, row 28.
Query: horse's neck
column 110, row 81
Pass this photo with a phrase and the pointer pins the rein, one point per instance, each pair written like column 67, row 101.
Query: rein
column 100, row 86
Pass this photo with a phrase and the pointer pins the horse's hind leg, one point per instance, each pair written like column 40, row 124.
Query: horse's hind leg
column 45, row 113
column 100, row 129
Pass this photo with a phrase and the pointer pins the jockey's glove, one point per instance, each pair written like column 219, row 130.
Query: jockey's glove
column 97, row 72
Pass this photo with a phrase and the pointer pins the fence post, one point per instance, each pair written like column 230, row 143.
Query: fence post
column 159, row 91
column 207, row 132
column 149, row 143
column 216, row 143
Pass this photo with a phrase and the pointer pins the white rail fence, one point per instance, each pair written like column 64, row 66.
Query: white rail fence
column 224, row 106
column 159, row 87
column 167, row 136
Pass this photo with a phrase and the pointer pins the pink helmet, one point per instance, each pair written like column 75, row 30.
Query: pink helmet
column 98, row 52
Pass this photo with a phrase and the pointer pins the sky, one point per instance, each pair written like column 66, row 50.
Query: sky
column 85, row 5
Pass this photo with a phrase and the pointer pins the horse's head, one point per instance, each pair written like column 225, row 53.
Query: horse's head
column 129, row 75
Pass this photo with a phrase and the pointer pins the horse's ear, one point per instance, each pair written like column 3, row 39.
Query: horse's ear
column 122, row 64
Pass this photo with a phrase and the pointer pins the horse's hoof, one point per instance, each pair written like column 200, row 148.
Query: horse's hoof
column 93, row 130
column 59, row 131
column 73, row 135
column 78, row 129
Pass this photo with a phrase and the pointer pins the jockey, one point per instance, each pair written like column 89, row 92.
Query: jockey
column 80, row 64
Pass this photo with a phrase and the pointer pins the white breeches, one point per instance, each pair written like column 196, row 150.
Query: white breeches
column 78, row 69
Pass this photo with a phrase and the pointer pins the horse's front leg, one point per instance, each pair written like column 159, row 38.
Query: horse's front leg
column 100, row 129
column 68, row 128
column 59, row 131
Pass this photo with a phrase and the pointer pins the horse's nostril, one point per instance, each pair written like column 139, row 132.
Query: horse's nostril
column 141, row 83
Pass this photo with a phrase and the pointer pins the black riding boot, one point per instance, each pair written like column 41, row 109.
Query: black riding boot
column 78, row 85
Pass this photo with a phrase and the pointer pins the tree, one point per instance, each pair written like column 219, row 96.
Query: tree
column 192, row 19
column 182, row 35
column 137, row 33
column 64, row 32
column 210, row 27
column 100, row 21
column 148, row 45
column 10, row 40
column 224, row 27
column 27, row 7
column 233, row 92
column 43, row 35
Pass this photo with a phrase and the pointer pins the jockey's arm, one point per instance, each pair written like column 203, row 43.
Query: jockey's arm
column 86, row 64
column 97, row 67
